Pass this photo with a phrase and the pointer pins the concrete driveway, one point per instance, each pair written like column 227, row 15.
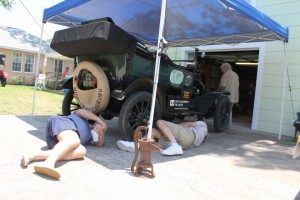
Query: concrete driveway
column 237, row 164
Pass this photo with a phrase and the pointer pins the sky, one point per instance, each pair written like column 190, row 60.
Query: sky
column 18, row 17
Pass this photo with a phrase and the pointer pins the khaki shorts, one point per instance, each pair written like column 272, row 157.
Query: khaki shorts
column 183, row 135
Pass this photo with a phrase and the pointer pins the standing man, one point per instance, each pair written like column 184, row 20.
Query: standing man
column 229, row 83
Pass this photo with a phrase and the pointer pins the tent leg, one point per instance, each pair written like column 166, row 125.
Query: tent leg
column 37, row 69
column 157, row 64
column 283, row 92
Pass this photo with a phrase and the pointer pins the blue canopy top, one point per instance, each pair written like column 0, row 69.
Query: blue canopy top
column 187, row 23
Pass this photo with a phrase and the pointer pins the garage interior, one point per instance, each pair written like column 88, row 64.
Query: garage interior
column 244, row 63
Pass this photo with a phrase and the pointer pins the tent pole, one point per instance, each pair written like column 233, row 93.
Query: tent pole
column 283, row 91
column 37, row 68
column 157, row 64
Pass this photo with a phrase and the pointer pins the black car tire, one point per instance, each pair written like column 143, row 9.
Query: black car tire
column 135, row 112
column 221, row 115
column 68, row 104
column 3, row 82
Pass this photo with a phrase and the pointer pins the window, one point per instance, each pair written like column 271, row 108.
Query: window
column 59, row 64
column 29, row 63
column 191, row 55
column 17, row 62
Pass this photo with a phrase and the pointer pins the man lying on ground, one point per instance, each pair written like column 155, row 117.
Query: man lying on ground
column 65, row 137
column 174, row 137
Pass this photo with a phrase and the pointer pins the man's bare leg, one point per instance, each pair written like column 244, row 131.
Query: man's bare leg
column 76, row 153
column 68, row 141
column 156, row 134
column 165, row 131
column 65, row 150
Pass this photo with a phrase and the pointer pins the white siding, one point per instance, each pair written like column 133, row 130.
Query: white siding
column 286, row 12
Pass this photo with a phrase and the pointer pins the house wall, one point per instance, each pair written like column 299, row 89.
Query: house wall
column 26, row 78
column 286, row 12
column 49, row 70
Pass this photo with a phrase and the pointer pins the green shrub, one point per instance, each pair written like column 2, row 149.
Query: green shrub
column 17, row 80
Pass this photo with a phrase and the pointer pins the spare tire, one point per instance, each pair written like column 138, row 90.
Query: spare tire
column 91, row 87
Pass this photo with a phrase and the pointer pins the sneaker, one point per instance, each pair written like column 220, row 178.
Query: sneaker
column 174, row 149
column 126, row 146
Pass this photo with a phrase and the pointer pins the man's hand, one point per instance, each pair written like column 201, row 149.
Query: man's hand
column 102, row 124
column 100, row 129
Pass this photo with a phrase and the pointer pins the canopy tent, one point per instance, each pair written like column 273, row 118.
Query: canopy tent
column 180, row 23
column 187, row 23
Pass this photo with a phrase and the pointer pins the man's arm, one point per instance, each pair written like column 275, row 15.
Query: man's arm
column 220, row 89
column 191, row 124
column 223, row 82
column 91, row 116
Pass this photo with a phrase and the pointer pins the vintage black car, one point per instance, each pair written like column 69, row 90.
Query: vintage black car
column 114, row 78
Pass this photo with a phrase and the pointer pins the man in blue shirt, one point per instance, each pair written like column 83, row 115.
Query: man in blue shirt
column 65, row 137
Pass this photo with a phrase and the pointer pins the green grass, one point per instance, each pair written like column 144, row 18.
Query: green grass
column 18, row 100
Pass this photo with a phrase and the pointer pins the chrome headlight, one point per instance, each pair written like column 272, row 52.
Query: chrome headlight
column 188, row 80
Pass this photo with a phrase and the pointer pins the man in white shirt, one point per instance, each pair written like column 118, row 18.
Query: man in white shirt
column 229, row 83
column 174, row 137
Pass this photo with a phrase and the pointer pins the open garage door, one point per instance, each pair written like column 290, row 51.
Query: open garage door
column 245, row 64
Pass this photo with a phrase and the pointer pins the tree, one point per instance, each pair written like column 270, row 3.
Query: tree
column 7, row 4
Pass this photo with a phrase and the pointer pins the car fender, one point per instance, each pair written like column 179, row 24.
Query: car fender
column 140, row 84
column 221, row 95
column 66, row 83
column 4, row 74
column 207, row 101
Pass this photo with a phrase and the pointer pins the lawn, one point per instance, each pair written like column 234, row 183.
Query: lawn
column 18, row 100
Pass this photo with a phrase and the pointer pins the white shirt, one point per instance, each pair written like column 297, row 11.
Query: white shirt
column 230, row 81
column 200, row 132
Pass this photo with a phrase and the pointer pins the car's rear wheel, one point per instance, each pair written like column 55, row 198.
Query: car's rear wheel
column 69, row 103
column 135, row 112
column 221, row 115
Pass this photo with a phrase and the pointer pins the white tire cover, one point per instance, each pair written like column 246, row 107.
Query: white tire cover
column 94, row 100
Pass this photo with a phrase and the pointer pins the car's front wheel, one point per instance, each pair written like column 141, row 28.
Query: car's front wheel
column 135, row 112
column 221, row 115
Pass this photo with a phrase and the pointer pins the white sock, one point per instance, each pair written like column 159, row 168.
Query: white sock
column 174, row 144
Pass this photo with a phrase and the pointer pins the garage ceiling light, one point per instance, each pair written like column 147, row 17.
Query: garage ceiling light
column 245, row 63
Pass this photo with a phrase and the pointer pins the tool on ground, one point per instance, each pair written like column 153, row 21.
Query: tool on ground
column 144, row 167
column 297, row 149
